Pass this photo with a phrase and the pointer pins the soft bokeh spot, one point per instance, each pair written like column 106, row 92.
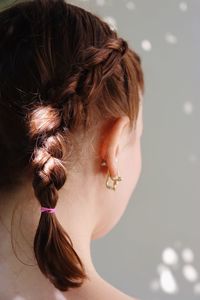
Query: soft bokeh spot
column 111, row 22
column 100, row 2
column 130, row 5
column 193, row 158
column 168, row 282
column 146, row 45
column 169, row 256
column 188, row 108
column 171, row 38
column 155, row 285
column 183, row 6
column 197, row 288
column 187, row 255
column 190, row 273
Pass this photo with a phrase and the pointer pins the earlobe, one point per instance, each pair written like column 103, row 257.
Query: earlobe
column 111, row 182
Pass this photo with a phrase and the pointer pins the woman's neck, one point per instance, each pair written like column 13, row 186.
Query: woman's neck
column 20, row 274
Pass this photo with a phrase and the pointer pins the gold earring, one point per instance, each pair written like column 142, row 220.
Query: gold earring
column 111, row 182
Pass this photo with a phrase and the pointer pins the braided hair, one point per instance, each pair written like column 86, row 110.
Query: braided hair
column 62, row 69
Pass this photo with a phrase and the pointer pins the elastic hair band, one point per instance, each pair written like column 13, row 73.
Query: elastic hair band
column 48, row 210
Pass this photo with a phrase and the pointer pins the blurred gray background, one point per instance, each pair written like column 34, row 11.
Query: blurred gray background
column 154, row 251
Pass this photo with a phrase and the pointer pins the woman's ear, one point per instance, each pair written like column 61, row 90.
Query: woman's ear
column 114, row 136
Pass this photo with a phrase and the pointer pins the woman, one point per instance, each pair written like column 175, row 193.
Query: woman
column 70, row 129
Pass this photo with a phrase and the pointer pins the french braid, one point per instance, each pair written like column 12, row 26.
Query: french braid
column 52, row 245
column 94, row 66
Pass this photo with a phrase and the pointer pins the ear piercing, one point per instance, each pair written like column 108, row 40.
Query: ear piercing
column 111, row 181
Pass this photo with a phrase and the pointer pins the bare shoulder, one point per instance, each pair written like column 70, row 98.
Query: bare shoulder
column 108, row 291
column 116, row 294
column 97, row 289
column 124, row 297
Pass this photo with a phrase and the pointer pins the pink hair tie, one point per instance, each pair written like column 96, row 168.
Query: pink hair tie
column 47, row 209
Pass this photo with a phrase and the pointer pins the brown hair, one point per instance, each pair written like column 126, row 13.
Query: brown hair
column 61, row 69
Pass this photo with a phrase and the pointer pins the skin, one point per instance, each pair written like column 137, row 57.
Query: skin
column 83, row 209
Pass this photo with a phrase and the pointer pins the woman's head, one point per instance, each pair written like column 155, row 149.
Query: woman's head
column 71, row 92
